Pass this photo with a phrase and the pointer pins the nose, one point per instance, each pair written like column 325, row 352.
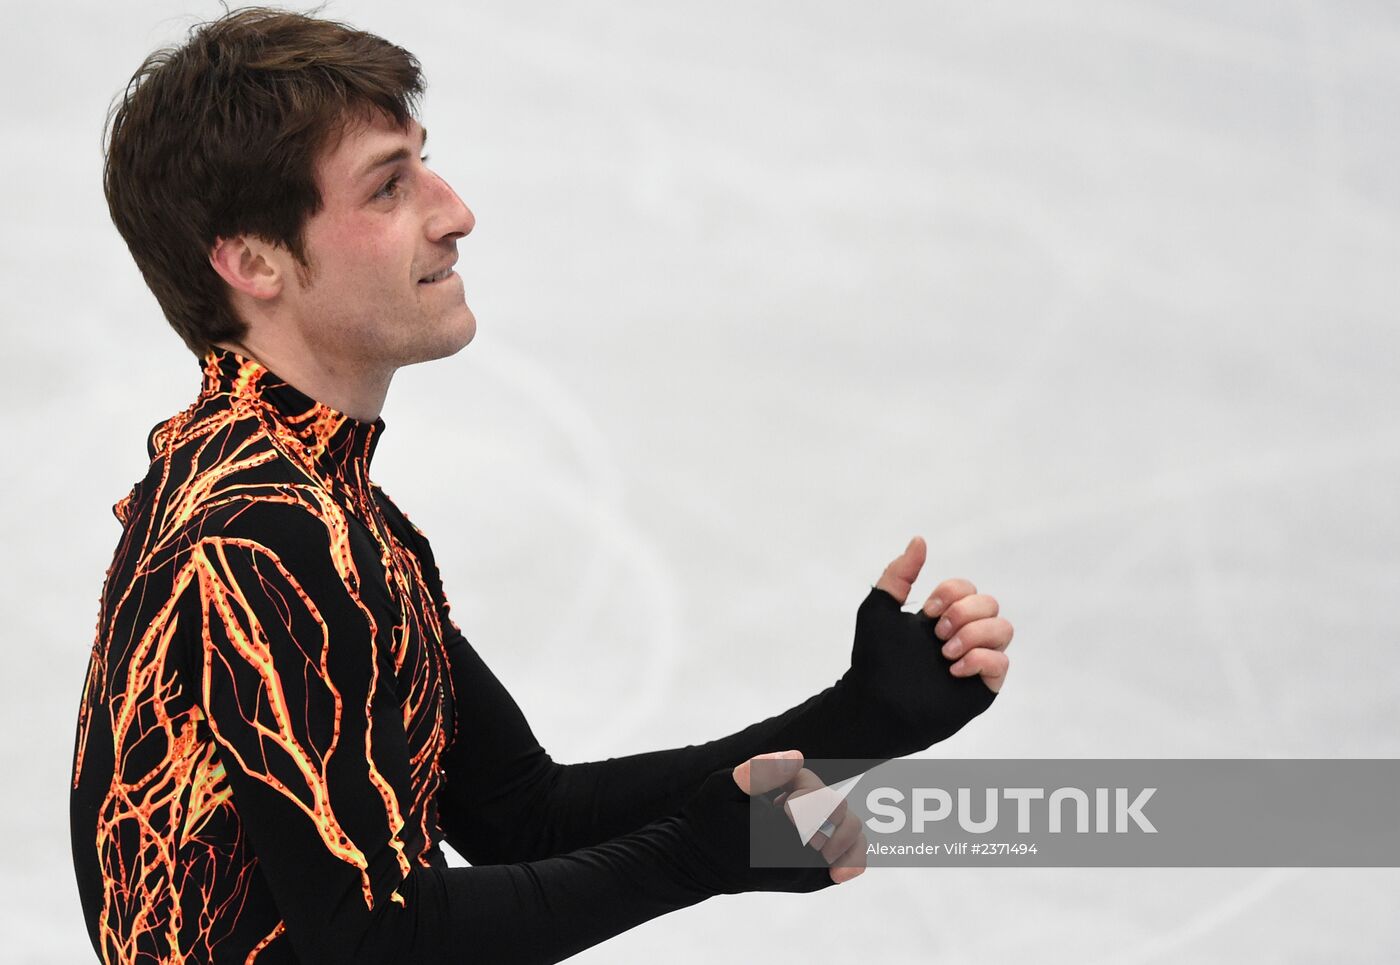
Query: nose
column 452, row 219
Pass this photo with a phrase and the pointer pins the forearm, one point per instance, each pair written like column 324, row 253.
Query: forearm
column 595, row 800
column 897, row 698
column 540, row 911
column 575, row 805
column 507, row 800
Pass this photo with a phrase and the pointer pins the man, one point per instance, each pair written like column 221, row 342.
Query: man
column 281, row 723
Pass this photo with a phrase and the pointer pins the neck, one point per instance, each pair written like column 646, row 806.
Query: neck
column 352, row 388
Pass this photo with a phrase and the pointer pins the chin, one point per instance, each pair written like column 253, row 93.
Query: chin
column 453, row 337
column 468, row 332
column 463, row 332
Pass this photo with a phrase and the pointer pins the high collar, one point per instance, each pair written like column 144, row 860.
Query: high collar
column 332, row 441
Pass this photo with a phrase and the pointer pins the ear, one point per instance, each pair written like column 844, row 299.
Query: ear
column 249, row 265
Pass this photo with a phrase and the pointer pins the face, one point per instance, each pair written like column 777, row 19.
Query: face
column 387, row 223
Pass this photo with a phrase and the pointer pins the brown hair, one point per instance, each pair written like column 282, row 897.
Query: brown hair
column 220, row 137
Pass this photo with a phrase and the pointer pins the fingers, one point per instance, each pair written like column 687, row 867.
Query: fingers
column 898, row 578
column 851, row 863
column 777, row 769
column 945, row 593
column 975, row 606
column 810, row 782
column 805, row 781
column 991, row 665
column 994, row 633
column 845, row 872
column 845, row 848
column 848, row 828
column 975, row 637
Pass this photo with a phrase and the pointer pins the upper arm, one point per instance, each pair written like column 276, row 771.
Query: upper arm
column 298, row 693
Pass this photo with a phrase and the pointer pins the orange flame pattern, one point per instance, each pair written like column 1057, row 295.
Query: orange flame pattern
column 268, row 694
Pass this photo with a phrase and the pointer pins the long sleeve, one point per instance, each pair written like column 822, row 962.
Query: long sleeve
column 506, row 799
column 299, row 692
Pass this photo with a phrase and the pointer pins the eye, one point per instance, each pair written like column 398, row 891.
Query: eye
column 390, row 189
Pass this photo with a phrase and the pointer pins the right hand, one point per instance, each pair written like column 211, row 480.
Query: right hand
column 718, row 815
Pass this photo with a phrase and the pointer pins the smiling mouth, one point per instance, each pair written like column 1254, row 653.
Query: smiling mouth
column 441, row 276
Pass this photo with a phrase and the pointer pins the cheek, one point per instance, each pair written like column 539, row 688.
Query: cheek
column 363, row 256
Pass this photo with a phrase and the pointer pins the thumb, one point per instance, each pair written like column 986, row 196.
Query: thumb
column 898, row 578
column 774, row 770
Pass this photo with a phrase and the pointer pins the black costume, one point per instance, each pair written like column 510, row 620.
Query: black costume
column 281, row 722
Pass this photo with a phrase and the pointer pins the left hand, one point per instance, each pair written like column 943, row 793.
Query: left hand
column 975, row 637
column 901, row 693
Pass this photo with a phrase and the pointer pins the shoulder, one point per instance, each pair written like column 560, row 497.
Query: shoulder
column 404, row 528
column 218, row 477
column 235, row 452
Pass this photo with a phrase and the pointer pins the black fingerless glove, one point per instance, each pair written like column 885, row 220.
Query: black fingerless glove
column 898, row 692
column 717, row 819
column 896, row 699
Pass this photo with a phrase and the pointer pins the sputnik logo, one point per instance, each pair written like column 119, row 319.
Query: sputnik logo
column 810, row 810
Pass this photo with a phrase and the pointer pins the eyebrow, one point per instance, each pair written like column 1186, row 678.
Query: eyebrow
column 389, row 157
